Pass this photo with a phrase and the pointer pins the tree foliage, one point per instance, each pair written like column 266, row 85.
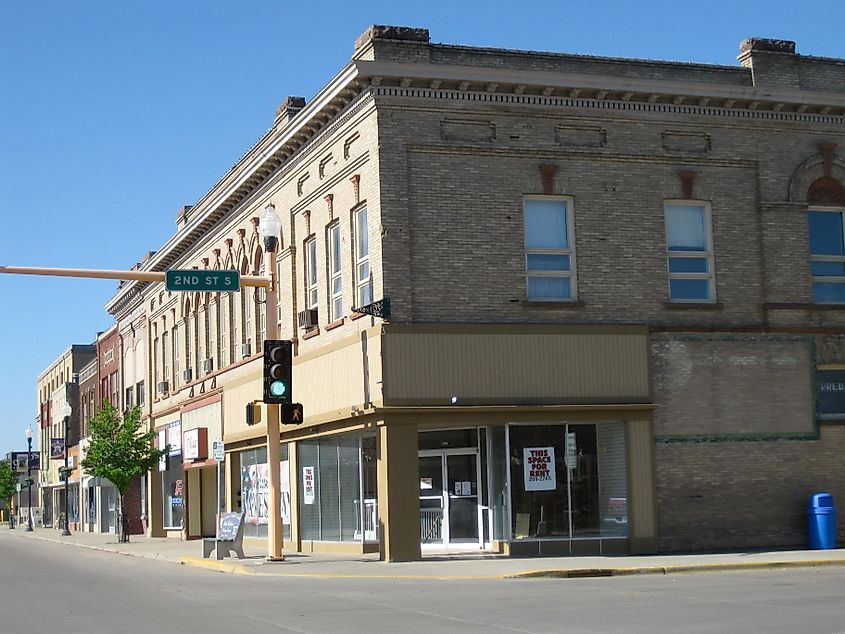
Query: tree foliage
column 119, row 451
column 8, row 482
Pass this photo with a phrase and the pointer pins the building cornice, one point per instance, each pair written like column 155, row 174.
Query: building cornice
column 272, row 151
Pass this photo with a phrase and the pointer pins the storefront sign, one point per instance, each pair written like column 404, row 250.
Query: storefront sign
column 174, row 437
column 308, row 485
column 830, row 393
column 571, row 457
column 195, row 444
column 162, row 444
column 539, row 468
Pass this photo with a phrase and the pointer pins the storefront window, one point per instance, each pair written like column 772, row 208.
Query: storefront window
column 567, row 480
column 254, row 491
column 73, row 504
column 338, row 489
column 173, row 493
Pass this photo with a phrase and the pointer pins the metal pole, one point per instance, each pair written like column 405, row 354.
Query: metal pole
column 66, row 531
column 29, row 482
column 274, row 451
column 108, row 274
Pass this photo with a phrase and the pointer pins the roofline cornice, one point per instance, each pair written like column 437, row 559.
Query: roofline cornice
column 272, row 150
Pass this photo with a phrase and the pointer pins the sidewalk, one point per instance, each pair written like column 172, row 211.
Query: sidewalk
column 462, row 566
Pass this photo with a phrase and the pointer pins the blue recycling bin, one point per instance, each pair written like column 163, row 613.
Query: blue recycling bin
column 821, row 521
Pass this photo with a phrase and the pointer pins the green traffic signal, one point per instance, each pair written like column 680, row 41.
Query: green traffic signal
column 278, row 388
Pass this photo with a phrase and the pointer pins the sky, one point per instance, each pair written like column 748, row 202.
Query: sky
column 115, row 114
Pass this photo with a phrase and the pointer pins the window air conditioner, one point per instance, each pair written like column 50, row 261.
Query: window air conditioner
column 187, row 375
column 308, row 318
column 162, row 387
column 207, row 366
column 246, row 350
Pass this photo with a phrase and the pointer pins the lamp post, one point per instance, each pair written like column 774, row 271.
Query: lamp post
column 66, row 412
column 29, row 478
column 270, row 227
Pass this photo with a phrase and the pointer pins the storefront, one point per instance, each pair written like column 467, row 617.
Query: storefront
column 524, row 488
column 253, row 490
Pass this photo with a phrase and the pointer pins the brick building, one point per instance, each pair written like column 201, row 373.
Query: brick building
column 610, row 297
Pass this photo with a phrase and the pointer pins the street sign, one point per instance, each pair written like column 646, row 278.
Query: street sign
column 218, row 450
column 208, row 280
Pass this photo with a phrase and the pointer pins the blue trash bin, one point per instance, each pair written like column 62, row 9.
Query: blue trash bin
column 821, row 521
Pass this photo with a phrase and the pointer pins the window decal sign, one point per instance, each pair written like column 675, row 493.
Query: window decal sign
column 308, row 485
column 539, row 468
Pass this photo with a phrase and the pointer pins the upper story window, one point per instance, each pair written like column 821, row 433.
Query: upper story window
column 311, row 273
column 549, row 251
column 689, row 252
column 827, row 255
column 363, row 287
column 335, row 279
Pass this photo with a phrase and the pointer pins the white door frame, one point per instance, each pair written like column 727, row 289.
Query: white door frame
column 447, row 544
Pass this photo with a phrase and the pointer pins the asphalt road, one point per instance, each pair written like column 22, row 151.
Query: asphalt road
column 50, row 587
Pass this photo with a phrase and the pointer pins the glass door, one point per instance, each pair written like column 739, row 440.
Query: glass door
column 432, row 506
column 463, row 510
column 450, row 513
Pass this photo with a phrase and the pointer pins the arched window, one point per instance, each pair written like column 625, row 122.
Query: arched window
column 826, row 224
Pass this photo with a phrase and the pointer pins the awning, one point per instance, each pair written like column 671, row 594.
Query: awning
column 92, row 481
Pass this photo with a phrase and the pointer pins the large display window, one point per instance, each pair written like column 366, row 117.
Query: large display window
column 337, row 489
column 173, row 494
column 254, row 491
column 567, row 481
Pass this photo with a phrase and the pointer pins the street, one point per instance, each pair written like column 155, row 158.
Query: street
column 50, row 587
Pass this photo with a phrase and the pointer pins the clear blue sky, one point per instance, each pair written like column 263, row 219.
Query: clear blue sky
column 114, row 114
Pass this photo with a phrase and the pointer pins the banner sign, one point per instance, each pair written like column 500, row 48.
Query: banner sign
column 539, row 468
column 57, row 448
column 19, row 461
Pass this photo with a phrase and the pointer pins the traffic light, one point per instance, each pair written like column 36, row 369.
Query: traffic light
column 278, row 362
column 253, row 413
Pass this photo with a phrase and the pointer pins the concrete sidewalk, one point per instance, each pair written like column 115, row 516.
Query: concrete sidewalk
column 458, row 566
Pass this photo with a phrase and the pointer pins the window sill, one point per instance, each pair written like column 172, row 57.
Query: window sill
column 311, row 333
column 354, row 316
column 693, row 305
column 336, row 324
column 801, row 306
column 556, row 304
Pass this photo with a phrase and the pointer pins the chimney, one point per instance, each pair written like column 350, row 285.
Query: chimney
column 773, row 63
column 182, row 216
column 393, row 43
column 288, row 110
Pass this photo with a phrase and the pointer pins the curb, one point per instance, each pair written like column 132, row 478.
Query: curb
column 218, row 566
column 575, row 573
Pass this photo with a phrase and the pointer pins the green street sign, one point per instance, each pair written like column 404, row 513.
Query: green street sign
column 205, row 281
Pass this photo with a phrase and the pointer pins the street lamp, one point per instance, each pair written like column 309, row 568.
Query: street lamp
column 66, row 412
column 29, row 477
column 269, row 226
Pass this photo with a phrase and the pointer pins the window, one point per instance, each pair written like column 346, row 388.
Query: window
column 139, row 393
column 311, row 273
column 689, row 252
column 129, row 404
column 175, row 345
column 335, row 280
column 363, row 287
column 549, row 255
column 827, row 255
column 164, row 357
column 156, row 374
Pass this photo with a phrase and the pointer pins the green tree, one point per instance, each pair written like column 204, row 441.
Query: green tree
column 119, row 452
column 8, row 484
